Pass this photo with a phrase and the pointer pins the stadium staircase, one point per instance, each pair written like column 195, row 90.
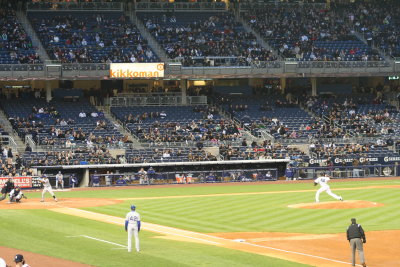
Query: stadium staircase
column 118, row 124
column 260, row 40
column 381, row 53
column 18, row 146
column 31, row 32
column 155, row 46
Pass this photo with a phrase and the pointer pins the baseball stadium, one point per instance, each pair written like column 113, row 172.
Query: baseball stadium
column 199, row 133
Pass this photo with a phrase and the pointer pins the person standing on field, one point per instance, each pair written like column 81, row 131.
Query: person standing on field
column 132, row 226
column 356, row 237
column 59, row 180
column 47, row 188
column 323, row 182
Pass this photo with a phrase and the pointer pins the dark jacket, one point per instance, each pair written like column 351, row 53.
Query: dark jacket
column 355, row 231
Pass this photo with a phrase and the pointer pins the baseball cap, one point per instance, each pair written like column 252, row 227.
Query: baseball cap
column 133, row 207
column 18, row 258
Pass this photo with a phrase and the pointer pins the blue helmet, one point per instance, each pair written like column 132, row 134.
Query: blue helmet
column 133, row 207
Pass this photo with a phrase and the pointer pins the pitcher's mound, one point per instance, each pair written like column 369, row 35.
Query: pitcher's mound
column 34, row 203
column 348, row 204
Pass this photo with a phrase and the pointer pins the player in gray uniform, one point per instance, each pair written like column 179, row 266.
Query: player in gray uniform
column 132, row 226
column 16, row 195
column 47, row 188
column 59, row 180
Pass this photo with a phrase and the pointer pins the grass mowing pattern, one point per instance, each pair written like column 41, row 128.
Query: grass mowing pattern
column 268, row 212
column 224, row 213
column 47, row 230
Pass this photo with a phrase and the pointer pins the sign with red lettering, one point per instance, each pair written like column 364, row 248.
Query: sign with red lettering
column 21, row 181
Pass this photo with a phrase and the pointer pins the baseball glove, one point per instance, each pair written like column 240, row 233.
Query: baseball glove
column 3, row 196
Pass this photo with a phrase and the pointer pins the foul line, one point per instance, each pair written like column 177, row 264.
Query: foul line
column 299, row 253
column 112, row 219
column 98, row 239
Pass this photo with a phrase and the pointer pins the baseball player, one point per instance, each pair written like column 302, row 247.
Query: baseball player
column 20, row 261
column 8, row 186
column 323, row 182
column 16, row 195
column 59, row 180
column 95, row 179
column 47, row 188
column 132, row 226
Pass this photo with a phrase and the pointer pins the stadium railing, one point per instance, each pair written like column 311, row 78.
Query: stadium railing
column 268, row 68
column 364, row 171
column 262, row 4
column 131, row 101
column 75, row 6
column 189, row 177
column 179, row 6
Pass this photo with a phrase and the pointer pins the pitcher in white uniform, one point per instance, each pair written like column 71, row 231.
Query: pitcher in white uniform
column 323, row 182
column 132, row 226
column 47, row 188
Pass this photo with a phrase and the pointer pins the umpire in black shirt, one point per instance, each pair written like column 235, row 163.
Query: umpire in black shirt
column 356, row 237
column 8, row 186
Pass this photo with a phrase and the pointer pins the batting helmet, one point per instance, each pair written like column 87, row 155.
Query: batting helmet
column 133, row 207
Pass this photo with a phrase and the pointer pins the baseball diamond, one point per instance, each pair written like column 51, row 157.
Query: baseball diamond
column 199, row 133
column 171, row 222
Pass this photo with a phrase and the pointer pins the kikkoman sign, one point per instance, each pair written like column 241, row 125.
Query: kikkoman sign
column 136, row 70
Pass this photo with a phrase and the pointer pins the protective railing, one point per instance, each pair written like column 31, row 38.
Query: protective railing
column 156, row 100
column 364, row 171
column 187, row 177
column 176, row 70
column 8, row 141
column 75, row 6
column 30, row 141
column 272, row 3
column 179, row 6
column 189, row 143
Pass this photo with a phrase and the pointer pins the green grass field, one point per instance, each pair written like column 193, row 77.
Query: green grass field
column 45, row 231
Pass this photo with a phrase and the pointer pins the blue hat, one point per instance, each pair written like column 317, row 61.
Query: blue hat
column 18, row 258
column 133, row 207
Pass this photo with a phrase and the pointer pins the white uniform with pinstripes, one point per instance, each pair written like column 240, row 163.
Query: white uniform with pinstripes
column 47, row 187
column 323, row 182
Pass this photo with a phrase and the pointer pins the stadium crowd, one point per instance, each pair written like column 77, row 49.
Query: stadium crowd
column 15, row 45
column 91, row 38
column 309, row 33
column 205, row 35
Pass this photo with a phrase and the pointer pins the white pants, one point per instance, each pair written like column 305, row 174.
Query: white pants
column 328, row 191
column 15, row 198
column 133, row 230
column 47, row 189
column 61, row 183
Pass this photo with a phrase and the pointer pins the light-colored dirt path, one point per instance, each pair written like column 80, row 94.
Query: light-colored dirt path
column 347, row 204
column 34, row 203
column 263, row 193
column 327, row 250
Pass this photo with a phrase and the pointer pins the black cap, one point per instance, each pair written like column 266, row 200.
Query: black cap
column 18, row 258
column 353, row 220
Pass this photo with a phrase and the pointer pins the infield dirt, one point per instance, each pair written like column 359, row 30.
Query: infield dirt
column 324, row 250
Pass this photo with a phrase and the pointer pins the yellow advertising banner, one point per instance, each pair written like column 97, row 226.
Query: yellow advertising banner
column 136, row 70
